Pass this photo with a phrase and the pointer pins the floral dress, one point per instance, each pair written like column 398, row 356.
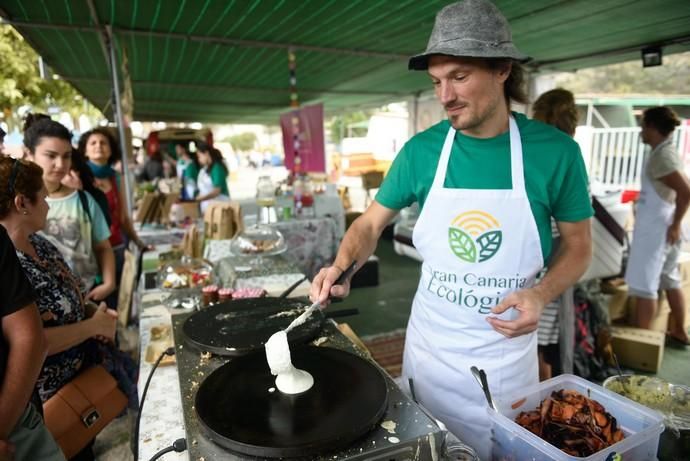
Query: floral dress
column 60, row 302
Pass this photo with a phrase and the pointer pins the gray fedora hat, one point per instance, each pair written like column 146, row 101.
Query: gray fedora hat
column 472, row 28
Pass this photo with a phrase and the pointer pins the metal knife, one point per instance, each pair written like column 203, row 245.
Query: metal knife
column 310, row 310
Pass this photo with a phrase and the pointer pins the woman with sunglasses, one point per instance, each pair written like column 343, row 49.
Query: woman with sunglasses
column 78, row 334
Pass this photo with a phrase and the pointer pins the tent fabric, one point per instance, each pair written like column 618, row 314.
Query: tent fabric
column 227, row 61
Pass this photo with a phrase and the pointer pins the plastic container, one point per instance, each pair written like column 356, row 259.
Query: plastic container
column 642, row 426
column 186, row 277
column 225, row 294
column 209, row 295
column 672, row 400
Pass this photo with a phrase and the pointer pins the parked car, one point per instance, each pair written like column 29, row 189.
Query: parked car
column 166, row 139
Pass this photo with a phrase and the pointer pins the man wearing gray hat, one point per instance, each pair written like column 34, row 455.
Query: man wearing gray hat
column 488, row 182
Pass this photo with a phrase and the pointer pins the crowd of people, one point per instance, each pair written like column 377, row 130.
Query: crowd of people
column 203, row 173
column 64, row 225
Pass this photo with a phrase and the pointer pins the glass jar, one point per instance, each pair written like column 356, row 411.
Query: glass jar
column 303, row 197
column 265, row 192
column 266, row 200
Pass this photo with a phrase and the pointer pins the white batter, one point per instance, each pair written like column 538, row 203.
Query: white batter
column 289, row 380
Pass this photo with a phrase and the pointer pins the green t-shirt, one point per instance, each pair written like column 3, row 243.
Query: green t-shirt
column 555, row 174
column 191, row 171
column 218, row 178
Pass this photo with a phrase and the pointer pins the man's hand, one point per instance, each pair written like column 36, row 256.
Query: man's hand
column 529, row 305
column 358, row 244
column 6, row 451
column 673, row 234
column 322, row 287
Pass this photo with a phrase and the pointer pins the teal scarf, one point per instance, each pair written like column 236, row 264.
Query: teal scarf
column 101, row 171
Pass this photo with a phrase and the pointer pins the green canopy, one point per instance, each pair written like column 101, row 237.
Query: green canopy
column 227, row 61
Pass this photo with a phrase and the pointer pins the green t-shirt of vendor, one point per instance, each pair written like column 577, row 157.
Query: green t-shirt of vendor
column 555, row 174
column 218, row 178
column 191, row 171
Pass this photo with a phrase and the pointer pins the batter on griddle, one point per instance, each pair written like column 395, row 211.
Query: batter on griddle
column 289, row 379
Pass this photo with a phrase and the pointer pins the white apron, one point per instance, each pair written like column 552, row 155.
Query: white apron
column 205, row 186
column 478, row 246
column 653, row 216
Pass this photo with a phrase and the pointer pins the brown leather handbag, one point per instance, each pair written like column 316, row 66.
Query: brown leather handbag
column 82, row 408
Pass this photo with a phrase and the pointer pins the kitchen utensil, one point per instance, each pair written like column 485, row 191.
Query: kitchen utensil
column 237, row 409
column 240, row 326
column 620, row 372
column 480, row 376
column 310, row 310
column 303, row 317
column 292, row 287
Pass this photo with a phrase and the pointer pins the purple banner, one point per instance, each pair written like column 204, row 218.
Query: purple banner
column 303, row 136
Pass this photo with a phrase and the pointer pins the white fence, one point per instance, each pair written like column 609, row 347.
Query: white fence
column 614, row 156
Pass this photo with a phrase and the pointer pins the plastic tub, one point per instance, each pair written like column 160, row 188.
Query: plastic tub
column 672, row 400
column 642, row 426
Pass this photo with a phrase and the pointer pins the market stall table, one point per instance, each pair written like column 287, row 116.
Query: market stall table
column 161, row 419
column 312, row 243
column 325, row 205
column 159, row 235
column 169, row 413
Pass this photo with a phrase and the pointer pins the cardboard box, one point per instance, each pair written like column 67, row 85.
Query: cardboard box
column 155, row 208
column 617, row 292
column 638, row 348
column 222, row 220
column 660, row 320
column 128, row 282
column 179, row 212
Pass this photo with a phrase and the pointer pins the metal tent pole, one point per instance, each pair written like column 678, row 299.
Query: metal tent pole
column 119, row 118
column 413, row 120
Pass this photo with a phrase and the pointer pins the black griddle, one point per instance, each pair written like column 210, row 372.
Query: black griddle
column 237, row 327
column 237, row 410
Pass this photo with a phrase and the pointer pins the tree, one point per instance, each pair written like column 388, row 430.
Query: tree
column 21, row 84
column 242, row 142
column 339, row 125
column 631, row 77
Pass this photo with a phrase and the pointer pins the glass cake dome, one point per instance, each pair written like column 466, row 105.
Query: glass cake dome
column 258, row 240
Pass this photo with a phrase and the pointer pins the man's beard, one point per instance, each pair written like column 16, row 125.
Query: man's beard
column 475, row 119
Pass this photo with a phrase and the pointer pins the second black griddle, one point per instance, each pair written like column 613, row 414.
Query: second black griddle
column 240, row 409
column 241, row 326
column 237, row 327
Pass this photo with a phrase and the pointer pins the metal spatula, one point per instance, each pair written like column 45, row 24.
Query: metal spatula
column 310, row 310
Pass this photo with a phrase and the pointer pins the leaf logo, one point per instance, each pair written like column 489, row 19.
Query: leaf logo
column 475, row 236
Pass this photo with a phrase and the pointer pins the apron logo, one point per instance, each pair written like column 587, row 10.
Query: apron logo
column 475, row 236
